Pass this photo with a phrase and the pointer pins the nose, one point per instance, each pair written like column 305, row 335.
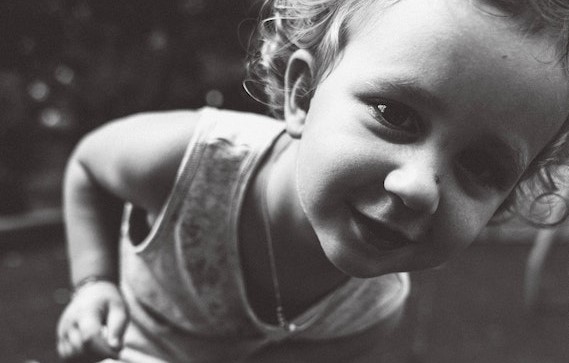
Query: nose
column 416, row 186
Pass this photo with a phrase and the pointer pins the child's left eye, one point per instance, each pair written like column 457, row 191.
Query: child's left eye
column 397, row 116
column 480, row 168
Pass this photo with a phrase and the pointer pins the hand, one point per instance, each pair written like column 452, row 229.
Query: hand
column 92, row 325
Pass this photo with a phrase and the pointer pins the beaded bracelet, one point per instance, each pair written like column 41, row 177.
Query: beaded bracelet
column 88, row 280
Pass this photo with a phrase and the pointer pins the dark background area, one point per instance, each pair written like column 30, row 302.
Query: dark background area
column 69, row 66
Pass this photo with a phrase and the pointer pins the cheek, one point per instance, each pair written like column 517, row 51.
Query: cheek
column 333, row 168
column 321, row 161
column 460, row 225
column 337, row 153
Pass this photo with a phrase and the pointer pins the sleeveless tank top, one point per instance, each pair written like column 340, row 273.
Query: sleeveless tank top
column 183, row 281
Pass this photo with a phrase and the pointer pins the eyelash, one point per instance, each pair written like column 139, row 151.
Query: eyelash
column 385, row 110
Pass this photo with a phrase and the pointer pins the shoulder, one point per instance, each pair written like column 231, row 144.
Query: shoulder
column 242, row 127
column 149, row 123
column 136, row 157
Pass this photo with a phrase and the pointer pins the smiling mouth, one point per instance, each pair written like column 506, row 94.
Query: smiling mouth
column 379, row 234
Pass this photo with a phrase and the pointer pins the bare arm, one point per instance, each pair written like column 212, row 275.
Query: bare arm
column 133, row 159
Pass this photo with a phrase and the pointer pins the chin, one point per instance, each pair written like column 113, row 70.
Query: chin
column 357, row 266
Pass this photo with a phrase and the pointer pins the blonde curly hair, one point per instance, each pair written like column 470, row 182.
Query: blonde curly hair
column 322, row 27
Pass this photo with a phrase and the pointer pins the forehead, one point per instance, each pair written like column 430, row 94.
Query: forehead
column 474, row 66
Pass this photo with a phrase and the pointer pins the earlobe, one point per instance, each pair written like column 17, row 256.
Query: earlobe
column 298, row 91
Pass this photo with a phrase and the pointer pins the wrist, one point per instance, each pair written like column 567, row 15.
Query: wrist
column 90, row 280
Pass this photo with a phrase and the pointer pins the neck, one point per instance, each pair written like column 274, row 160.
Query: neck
column 305, row 274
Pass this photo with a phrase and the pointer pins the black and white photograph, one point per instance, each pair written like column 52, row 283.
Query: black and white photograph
column 274, row 181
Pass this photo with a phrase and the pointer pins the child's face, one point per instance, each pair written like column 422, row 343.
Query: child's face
column 422, row 129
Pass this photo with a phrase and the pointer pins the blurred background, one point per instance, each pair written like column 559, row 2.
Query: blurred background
column 68, row 66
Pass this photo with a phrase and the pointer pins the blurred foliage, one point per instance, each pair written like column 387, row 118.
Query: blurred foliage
column 66, row 66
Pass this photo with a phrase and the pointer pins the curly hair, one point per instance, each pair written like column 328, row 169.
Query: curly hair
column 322, row 27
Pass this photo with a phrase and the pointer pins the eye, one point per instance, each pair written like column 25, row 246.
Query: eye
column 397, row 116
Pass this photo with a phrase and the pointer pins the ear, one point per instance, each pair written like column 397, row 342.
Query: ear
column 298, row 91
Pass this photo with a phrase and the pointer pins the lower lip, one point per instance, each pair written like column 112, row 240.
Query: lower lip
column 372, row 238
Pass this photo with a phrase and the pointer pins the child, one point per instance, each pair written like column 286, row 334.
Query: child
column 407, row 125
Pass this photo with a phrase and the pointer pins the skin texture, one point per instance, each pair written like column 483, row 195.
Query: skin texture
column 133, row 159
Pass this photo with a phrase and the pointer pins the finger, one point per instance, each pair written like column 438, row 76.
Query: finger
column 61, row 333
column 64, row 348
column 63, row 345
column 75, row 341
column 116, row 325
column 62, row 326
column 90, row 326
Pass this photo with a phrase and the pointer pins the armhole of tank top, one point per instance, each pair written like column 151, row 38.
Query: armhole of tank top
column 186, row 171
